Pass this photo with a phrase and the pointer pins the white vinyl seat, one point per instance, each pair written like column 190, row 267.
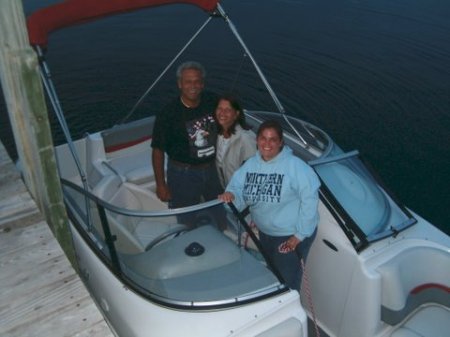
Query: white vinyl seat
column 415, row 299
column 134, row 233
column 133, row 165
column 428, row 321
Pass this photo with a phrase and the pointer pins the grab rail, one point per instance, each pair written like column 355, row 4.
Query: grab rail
column 137, row 213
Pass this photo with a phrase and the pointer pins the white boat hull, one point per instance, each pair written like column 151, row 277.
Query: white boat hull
column 354, row 293
column 129, row 314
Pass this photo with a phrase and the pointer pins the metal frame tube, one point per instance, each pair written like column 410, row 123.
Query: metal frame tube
column 260, row 73
column 50, row 89
column 165, row 70
column 247, row 51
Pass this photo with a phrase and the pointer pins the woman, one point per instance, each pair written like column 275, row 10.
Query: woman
column 282, row 193
column 235, row 142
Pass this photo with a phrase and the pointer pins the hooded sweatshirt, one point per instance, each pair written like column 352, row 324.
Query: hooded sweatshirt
column 282, row 194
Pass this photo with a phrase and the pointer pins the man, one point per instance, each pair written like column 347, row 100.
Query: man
column 185, row 130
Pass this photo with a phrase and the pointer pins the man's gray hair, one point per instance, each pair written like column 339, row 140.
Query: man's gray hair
column 190, row 65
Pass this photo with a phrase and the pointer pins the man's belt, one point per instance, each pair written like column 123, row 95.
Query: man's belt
column 188, row 166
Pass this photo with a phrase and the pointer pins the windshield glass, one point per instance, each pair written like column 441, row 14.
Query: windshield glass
column 362, row 197
column 307, row 141
column 195, row 256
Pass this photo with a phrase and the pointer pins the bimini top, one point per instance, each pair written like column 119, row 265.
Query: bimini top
column 72, row 12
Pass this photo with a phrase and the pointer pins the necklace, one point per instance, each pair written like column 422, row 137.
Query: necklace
column 184, row 103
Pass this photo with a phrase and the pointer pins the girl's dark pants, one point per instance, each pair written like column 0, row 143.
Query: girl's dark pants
column 288, row 264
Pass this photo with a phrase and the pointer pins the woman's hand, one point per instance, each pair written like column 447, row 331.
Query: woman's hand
column 292, row 242
column 226, row 197
column 289, row 245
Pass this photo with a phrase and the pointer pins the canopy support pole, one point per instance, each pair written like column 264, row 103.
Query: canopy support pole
column 177, row 56
column 247, row 51
column 50, row 89
column 260, row 73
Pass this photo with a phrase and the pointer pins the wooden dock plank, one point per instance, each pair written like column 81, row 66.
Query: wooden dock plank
column 40, row 292
column 17, row 208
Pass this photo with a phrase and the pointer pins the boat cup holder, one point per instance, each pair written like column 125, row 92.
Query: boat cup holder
column 194, row 249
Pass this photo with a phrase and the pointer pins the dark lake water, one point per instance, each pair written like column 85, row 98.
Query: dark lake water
column 374, row 74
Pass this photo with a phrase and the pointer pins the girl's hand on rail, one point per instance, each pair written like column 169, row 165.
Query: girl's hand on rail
column 226, row 197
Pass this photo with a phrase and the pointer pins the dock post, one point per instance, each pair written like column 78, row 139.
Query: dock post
column 27, row 109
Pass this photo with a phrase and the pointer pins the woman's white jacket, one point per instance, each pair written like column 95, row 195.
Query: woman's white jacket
column 241, row 147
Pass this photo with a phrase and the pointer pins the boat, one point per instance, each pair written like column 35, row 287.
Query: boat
column 375, row 269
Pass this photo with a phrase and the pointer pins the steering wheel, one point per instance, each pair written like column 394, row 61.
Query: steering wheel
column 173, row 232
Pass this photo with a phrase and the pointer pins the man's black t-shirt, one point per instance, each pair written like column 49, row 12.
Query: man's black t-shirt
column 187, row 135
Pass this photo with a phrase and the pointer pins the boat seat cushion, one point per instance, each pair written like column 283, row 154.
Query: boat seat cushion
column 428, row 321
column 128, row 150
column 127, row 135
column 134, row 233
column 133, row 166
column 139, row 175
column 409, row 281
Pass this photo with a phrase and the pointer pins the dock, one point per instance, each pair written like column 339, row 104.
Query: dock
column 40, row 292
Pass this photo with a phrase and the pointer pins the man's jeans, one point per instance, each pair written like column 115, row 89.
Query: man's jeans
column 192, row 185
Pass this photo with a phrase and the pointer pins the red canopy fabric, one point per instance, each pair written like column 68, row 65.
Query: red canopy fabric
column 72, row 12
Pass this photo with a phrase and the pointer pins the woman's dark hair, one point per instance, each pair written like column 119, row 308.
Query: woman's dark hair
column 234, row 102
column 270, row 124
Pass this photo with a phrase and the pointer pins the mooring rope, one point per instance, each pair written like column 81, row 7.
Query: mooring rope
column 309, row 296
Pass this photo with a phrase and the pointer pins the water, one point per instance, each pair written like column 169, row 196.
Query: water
column 374, row 74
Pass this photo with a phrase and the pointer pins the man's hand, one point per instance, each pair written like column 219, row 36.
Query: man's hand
column 163, row 192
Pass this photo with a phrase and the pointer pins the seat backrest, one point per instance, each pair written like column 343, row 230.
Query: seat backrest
column 127, row 135
column 127, row 150
column 410, row 279
column 126, row 242
column 132, row 197
column 111, row 189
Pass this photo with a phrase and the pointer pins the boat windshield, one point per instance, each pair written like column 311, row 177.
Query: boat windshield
column 306, row 140
column 368, row 212
column 199, row 256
